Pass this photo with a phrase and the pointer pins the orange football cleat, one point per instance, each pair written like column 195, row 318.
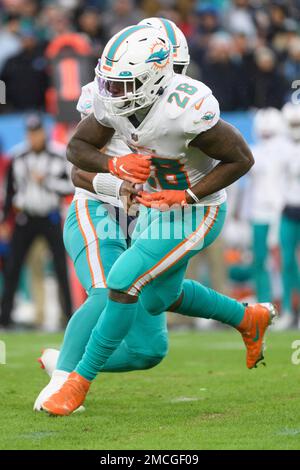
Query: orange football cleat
column 253, row 328
column 69, row 397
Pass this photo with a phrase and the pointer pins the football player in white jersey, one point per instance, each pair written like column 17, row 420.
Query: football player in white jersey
column 160, row 115
column 147, row 343
column 264, row 193
column 289, row 234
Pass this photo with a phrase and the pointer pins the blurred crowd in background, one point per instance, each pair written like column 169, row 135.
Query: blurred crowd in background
column 248, row 52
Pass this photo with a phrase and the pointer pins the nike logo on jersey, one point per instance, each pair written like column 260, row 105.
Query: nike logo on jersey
column 199, row 104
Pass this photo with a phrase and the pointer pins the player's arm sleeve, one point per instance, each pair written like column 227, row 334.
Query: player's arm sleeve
column 202, row 115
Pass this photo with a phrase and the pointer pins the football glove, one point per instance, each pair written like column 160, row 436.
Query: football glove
column 163, row 200
column 133, row 167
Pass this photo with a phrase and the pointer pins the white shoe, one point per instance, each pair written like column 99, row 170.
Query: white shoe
column 56, row 382
column 48, row 360
column 286, row 321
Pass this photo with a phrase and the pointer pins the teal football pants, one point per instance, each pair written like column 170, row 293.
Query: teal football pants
column 93, row 256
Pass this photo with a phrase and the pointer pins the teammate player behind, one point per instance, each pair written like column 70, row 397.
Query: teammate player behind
column 289, row 232
column 97, row 200
column 162, row 115
column 265, row 192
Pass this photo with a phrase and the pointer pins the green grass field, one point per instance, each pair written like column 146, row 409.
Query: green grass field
column 200, row 397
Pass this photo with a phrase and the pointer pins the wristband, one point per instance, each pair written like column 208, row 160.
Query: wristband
column 107, row 184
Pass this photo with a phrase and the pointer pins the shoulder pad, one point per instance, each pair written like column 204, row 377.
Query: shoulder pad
column 99, row 112
column 202, row 114
column 85, row 102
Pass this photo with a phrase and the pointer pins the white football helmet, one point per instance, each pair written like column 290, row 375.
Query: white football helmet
column 291, row 114
column 181, row 57
column 268, row 122
column 135, row 67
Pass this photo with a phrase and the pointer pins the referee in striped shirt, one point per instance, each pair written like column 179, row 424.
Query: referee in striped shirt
column 36, row 181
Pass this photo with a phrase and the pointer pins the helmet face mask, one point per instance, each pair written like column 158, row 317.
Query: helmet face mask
column 121, row 97
column 135, row 64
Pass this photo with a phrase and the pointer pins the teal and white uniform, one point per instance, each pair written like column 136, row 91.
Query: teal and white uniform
column 153, row 268
column 186, row 109
column 265, row 197
column 93, row 256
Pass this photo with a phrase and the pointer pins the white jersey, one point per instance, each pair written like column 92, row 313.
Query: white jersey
column 186, row 108
column 116, row 147
column 266, row 186
column 292, row 175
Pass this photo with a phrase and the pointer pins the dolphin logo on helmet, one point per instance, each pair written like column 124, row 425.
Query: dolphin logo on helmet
column 159, row 56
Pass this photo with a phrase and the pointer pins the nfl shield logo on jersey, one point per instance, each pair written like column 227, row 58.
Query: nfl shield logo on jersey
column 134, row 137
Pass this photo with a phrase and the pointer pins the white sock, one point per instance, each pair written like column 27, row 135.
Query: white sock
column 49, row 360
column 56, row 382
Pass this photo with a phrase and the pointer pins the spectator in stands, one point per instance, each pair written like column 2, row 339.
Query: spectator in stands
column 25, row 75
column 278, row 19
column 207, row 23
column 90, row 23
column 221, row 73
column 240, row 17
column 29, row 12
column 10, row 43
column 292, row 63
column 55, row 21
column 243, row 56
column 268, row 87
column 121, row 14
column 150, row 8
column 36, row 181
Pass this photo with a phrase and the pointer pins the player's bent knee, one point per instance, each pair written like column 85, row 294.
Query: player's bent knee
column 144, row 362
column 151, row 362
column 155, row 303
column 155, row 351
column 125, row 271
